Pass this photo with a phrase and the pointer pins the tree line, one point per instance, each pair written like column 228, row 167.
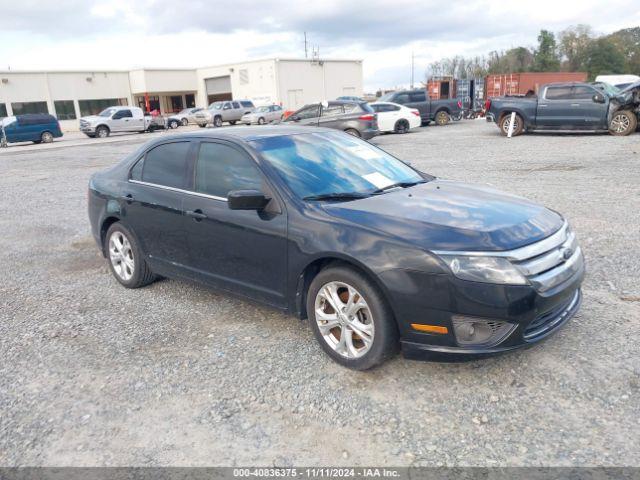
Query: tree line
column 575, row 49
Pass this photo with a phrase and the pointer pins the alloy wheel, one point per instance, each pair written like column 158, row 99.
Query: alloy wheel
column 507, row 121
column 121, row 255
column 344, row 319
column 619, row 123
column 47, row 137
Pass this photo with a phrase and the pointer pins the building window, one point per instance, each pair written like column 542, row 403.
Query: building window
column 191, row 100
column 65, row 109
column 154, row 103
column 176, row 103
column 244, row 76
column 93, row 107
column 3, row 110
column 20, row 108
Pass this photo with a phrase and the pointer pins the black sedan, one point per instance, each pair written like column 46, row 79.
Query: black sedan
column 328, row 227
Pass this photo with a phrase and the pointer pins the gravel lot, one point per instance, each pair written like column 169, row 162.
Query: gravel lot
column 175, row 374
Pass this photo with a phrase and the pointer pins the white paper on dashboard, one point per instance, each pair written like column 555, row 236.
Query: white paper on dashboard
column 377, row 179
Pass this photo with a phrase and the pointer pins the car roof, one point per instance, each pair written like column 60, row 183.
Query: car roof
column 245, row 133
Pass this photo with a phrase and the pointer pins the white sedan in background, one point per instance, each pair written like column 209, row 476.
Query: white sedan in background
column 393, row 117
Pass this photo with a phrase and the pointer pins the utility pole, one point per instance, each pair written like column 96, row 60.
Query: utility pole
column 305, row 44
column 412, row 68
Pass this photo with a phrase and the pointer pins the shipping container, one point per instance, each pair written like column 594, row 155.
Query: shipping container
column 528, row 82
column 440, row 88
column 470, row 91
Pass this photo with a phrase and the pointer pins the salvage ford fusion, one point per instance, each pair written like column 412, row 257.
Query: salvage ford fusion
column 329, row 227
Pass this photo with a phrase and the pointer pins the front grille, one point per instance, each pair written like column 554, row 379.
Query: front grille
column 547, row 321
column 550, row 262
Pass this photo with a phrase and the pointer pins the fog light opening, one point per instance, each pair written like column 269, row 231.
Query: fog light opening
column 471, row 331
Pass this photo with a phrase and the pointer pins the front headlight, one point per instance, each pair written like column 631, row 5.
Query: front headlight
column 484, row 269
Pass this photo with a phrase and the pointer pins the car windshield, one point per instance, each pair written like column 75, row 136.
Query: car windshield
column 263, row 109
column 609, row 89
column 107, row 112
column 216, row 106
column 333, row 163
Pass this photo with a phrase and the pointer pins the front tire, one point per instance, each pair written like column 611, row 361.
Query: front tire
column 173, row 124
column 261, row 121
column 102, row 132
column 217, row 121
column 232, row 122
column 126, row 260
column 185, row 122
column 623, row 123
column 351, row 319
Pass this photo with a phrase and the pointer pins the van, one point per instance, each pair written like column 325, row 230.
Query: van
column 31, row 127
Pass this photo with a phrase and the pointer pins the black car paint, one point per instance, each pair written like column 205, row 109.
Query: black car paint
column 272, row 255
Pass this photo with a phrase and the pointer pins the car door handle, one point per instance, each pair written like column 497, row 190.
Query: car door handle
column 542, row 105
column 575, row 104
column 127, row 198
column 197, row 215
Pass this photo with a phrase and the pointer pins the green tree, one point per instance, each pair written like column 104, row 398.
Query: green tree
column 545, row 58
column 603, row 57
column 627, row 41
column 573, row 45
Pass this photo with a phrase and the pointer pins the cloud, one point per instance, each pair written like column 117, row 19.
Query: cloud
column 189, row 33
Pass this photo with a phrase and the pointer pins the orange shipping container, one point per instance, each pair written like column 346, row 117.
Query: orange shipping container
column 441, row 89
column 521, row 83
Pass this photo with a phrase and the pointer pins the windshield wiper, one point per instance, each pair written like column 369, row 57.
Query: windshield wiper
column 337, row 196
column 399, row 184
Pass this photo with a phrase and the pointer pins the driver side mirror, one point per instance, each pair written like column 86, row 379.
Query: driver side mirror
column 247, row 200
column 598, row 98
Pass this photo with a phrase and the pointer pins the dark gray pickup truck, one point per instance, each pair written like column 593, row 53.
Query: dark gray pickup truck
column 569, row 107
column 439, row 111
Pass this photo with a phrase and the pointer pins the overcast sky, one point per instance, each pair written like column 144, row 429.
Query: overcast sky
column 121, row 34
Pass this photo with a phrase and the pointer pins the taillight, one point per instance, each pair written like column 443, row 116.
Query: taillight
column 415, row 112
column 459, row 103
column 487, row 104
column 369, row 117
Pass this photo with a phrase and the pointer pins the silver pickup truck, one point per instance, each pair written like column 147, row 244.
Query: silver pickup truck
column 115, row 120
column 225, row 111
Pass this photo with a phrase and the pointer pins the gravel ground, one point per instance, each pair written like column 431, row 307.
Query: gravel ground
column 175, row 374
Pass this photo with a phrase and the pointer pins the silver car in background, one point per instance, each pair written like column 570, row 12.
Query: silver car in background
column 262, row 115
column 184, row 117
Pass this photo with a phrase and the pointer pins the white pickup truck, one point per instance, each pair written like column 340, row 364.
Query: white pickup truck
column 114, row 120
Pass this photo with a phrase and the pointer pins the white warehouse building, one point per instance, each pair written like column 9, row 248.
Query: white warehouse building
column 69, row 95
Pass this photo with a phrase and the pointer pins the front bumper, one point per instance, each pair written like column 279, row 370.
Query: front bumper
column 489, row 117
column 435, row 299
column 88, row 129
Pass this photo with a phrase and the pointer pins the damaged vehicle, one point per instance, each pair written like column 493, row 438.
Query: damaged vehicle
column 569, row 107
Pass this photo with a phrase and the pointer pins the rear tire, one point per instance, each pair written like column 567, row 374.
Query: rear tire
column 173, row 124
column 353, row 132
column 232, row 122
column 126, row 260
column 261, row 121
column 442, row 118
column 623, row 122
column 46, row 137
column 202, row 125
column 518, row 126
column 362, row 338
column 401, row 126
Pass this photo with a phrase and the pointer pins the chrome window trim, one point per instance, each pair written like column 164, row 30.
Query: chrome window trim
column 518, row 254
column 179, row 190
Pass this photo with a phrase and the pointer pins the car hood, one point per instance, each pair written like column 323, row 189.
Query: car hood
column 446, row 215
column 92, row 118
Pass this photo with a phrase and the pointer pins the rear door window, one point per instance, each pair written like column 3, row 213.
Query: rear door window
column 221, row 168
column 402, row 98
column 311, row 111
column 166, row 165
column 558, row 93
column 582, row 92
column 332, row 111
column 236, row 105
column 418, row 96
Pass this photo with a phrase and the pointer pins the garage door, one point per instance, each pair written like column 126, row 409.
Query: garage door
column 218, row 88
